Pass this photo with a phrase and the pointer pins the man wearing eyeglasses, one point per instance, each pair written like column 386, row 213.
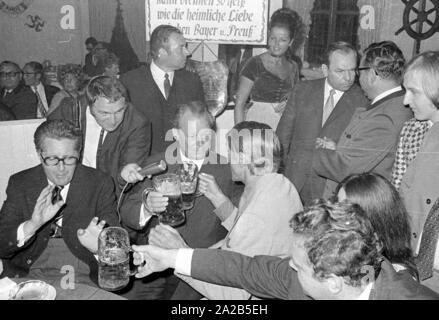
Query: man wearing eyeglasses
column 54, row 212
column 369, row 142
column 117, row 137
column 14, row 94
column 33, row 75
column 318, row 108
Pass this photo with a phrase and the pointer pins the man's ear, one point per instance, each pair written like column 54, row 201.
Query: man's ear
column 335, row 284
column 325, row 70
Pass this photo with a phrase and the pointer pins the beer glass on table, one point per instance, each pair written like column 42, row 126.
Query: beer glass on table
column 169, row 186
column 188, row 173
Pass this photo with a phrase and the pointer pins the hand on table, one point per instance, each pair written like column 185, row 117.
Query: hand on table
column 166, row 237
column 89, row 237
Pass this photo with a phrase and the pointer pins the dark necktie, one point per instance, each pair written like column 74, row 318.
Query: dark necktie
column 167, row 85
column 427, row 249
column 41, row 108
column 99, row 151
column 55, row 226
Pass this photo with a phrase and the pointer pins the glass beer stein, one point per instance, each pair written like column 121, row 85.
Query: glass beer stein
column 188, row 173
column 114, row 259
column 169, row 185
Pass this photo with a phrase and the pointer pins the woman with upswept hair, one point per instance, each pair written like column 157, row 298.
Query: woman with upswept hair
column 381, row 202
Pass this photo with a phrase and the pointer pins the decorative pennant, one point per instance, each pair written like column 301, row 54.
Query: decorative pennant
column 15, row 10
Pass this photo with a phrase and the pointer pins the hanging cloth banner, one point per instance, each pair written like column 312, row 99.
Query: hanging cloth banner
column 15, row 10
column 218, row 21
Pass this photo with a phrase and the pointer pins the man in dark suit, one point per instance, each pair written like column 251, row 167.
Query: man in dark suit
column 33, row 75
column 117, row 137
column 13, row 93
column 5, row 113
column 318, row 108
column 335, row 256
column 89, row 67
column 156, row 89
column 369, row 141
column 194, row 133
column 48, row 207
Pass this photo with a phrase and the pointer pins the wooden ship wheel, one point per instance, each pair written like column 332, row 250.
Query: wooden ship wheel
column 424, row 17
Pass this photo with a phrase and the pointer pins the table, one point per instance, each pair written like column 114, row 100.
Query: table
column 80, row 292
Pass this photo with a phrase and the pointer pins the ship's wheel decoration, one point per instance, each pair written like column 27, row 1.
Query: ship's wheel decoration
column 425, row 25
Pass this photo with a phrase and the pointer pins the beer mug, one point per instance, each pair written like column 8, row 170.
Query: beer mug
column 169, row 186
column 188, row 173
column 114, row 259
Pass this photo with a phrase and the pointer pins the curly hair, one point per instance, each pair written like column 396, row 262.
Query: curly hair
column 383, row 205
column 73, row 69
column 290, row 20
column 340, row 240
column 386, row 59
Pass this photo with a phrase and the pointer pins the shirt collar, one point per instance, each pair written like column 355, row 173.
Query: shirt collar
column 328, row 89
column 386, row 93
column 64, row 191
column 199, row 163
column 158, row 73
column 365, row 295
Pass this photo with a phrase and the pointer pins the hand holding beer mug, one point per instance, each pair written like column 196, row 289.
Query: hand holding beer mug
column 168, row 185
column 114, row 259
column 188, row 173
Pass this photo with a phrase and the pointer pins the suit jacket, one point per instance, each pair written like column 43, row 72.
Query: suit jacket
column 273, row 278
column 420, row 184
column 5, row 113
column 301, row 125
column 91, row 194
column 367, row 144
column 129, row 143
column 50, row 92
column 148, row 99
column 202, row 228
column 22, row 101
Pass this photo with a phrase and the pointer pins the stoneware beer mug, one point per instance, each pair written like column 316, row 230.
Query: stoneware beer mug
column 169, row 186
column 114, row 259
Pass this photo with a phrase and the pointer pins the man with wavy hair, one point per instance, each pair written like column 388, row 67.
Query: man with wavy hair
column 336, row 255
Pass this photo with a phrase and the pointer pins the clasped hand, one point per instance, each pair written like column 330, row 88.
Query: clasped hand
column 325, row 143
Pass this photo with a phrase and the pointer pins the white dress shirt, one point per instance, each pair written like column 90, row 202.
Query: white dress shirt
column 92, row 133
column 386, row 93
column 159, row 77
column 42, row 94
column 21, row 237
column 337, row 96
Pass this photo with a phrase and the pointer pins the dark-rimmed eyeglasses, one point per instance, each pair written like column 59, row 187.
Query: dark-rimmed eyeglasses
column 53, row 161
column 9, row 74
column 363, row 68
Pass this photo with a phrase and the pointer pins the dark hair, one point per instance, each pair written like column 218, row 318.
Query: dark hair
column 36, row 67
column 386, row 59
column 57, row 129
column 70, row 68
column 160, row 37
column 106, row 87
column 382, row 204
column 291, row 21
column 339, row 240
column 10, row 63
column 92, row 41
column 198, row 109
column 427, row 64
column 342, row 46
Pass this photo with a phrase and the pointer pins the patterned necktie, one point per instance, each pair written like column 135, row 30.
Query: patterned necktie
column 329, row 106
column 167, row 85
column 427, row 249
column 42, row 113
column 99, row 151
column 55, row 226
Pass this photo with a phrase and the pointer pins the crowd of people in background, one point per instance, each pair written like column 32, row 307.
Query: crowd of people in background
column 342, row 204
